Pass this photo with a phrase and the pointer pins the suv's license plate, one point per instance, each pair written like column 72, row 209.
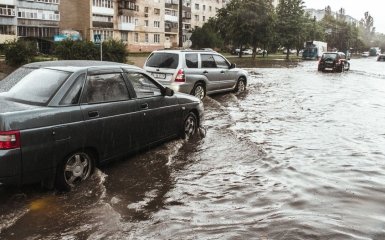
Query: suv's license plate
column 159, row 75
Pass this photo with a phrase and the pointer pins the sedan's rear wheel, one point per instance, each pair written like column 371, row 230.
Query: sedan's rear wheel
column 199, row 91
column 190, row 126
column 73, row 170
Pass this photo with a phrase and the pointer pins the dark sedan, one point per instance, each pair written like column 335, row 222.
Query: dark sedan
column 61, row 119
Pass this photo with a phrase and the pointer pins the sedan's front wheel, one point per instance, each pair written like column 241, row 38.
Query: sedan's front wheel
column 190, row 126
column 73, row 170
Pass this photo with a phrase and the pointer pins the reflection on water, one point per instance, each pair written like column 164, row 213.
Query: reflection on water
column 299, row 156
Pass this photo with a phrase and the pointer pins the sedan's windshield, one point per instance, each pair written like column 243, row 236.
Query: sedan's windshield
column 38, row 86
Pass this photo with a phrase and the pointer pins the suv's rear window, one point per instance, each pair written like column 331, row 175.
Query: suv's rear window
column 163, row 60
column 330, row 56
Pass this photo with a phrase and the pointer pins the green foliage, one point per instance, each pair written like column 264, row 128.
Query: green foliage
column 86, row 50
column 19, row 52
column 206, row 37
column 290, row 22
column 114, row 51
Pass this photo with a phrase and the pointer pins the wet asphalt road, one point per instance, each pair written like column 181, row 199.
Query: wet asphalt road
column 300, row 155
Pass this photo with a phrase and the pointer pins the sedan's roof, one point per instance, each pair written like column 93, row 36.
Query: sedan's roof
column 76, row 64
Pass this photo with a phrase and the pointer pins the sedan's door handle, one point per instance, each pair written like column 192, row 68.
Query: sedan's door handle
column 144, row 106
column 222, row 71
column 93, row 114
column 205, row 72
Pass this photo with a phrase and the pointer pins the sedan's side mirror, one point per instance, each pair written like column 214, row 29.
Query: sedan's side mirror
column 168, row 92
column 232, row 65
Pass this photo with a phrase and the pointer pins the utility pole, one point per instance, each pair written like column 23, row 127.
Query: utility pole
column 180, row 25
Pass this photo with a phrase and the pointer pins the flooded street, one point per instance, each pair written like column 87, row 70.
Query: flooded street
column 300, row 155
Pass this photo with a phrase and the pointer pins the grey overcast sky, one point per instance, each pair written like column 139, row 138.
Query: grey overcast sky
column 355, row 8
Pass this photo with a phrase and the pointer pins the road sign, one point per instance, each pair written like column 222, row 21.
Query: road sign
column 97, row 38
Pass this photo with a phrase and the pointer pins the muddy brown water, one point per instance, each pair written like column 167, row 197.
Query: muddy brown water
column 300, row 155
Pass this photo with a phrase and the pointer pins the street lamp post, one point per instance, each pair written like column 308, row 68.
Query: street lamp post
column 180, row 32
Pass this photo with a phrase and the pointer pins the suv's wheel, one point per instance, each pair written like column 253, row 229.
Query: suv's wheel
column 190, row 126
column 199, row 91
column 348, row 66
column 241, row 85
column 73, row 170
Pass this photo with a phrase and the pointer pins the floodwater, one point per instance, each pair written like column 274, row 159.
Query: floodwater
column 300, row 155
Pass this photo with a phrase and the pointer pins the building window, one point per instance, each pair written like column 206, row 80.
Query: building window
column 156, row 11
column 124, row 36
column 146, row 38
column 156, row 24
column 146, row 9
column 156, row 38
column 136, row 37
column 196, row 17
column 204, row 18
column 204, row 7
column 136, row 22
column 210, row 8
column 106, row 34
column 146, row 23
column 196, row 6
column 103, row 3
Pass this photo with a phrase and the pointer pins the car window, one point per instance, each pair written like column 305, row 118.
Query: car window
column 143, row 86
column 208, row 61
column 39, row 86
column 73, row 94
column 221, row 62
column 330, row 56
column 192, row 60
column 163, row 60
column 106, row 88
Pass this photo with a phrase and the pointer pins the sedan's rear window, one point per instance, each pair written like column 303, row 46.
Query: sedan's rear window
column 39, row 86
column 163, row 60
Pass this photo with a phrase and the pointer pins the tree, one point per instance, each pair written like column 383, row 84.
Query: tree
column 259, row 24
column 289, row 22
column 19, row 52
column 366, row 25
column 206, row 36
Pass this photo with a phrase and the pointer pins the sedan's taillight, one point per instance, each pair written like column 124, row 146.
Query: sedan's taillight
column 180, row 77
column 9, row 139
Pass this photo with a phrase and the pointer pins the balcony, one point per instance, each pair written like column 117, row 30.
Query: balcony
column 171, row 18
column 126, row 26
column 8, row 21
column 8, row 2
column 7, row 12
column 97, row 24
column 171, row 30
column 34, row 23
column 102, row 11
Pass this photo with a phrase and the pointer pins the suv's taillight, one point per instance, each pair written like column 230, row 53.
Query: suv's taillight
column 9, row 139
column 180, row 77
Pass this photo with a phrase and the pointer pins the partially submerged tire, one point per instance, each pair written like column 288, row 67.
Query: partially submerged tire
column 190, row 126
column 199, row 91
column 73, row 170
column 241, row 85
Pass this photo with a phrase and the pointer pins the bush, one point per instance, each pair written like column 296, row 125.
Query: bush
column 19, row 52
column 114, row 51
column 86, row 50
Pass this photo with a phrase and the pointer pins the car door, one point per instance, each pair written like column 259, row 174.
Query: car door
column 229, row 75
column 110, row 114
column 160, row 115
column 214, row 75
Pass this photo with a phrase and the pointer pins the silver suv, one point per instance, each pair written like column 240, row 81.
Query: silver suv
column 196, row 72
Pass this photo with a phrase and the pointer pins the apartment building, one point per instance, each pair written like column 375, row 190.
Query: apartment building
column 7, row 20
column 144, row 25
column 33, row 19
